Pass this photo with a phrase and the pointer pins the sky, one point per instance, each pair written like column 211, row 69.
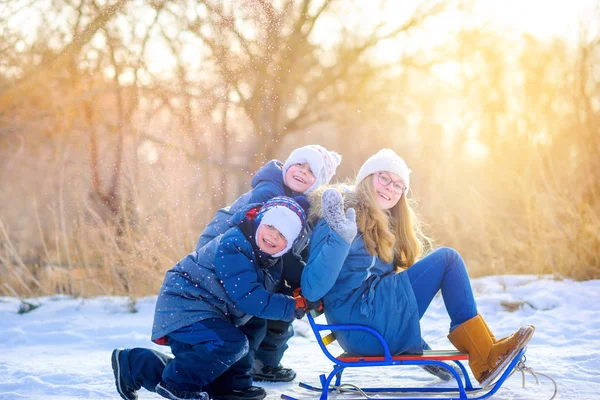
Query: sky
column 542, row 18
column 61, row 350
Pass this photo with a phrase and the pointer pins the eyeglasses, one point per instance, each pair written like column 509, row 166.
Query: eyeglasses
column 385, row 180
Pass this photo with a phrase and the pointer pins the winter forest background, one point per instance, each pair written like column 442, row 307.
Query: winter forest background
column 125, row 124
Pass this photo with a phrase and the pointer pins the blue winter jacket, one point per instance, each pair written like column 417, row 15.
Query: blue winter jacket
column 229, row 279
column 359, row 288
column 266, row 184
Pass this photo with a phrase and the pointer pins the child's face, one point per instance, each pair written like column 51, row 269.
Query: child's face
column 270, row 240
column 299, row 177
column 389, row 188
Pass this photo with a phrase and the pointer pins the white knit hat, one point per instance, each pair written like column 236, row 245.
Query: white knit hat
column 285, row 214
column 385, row 160
column 323, row 163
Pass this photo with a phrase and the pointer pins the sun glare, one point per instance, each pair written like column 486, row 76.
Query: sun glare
column 541, row 18
column 475, row 149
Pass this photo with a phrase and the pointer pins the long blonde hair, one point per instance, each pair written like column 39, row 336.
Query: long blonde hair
column 392, row 235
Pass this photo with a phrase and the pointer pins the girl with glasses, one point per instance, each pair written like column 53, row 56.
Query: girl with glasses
column 378, row 275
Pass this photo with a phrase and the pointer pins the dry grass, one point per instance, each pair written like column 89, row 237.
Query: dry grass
column 74, row 120
column 500, row 222
column 70, row 246
column 93, row 260
column 505, row 221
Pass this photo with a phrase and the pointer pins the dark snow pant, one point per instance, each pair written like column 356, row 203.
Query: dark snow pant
column 444, row 269
column 211, row 355
column 274, row 343
column 239, row 375
column 143, row 368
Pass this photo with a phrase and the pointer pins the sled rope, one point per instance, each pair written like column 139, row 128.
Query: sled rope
column 521, row 367
column 349, row 387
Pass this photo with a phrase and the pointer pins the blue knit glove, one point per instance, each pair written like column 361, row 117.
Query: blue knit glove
column 333, row 212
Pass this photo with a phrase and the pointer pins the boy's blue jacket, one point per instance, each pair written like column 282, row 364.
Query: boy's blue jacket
column 266, row 184
column 230, row 278
column 359, row 288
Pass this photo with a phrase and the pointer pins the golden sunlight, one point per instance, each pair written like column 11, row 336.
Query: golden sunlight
column 541, row 18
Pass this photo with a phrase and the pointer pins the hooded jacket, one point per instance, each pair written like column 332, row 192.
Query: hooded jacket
column 229, row 278
column 359, row 288
column 266, row 184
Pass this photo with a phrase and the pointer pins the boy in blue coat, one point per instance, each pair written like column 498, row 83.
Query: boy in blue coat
column 306, row 168
column 205, row 302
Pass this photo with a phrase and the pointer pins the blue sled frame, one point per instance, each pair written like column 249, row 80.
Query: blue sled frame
column 464, row 390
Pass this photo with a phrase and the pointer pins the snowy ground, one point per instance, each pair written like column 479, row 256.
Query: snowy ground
column 61, row 350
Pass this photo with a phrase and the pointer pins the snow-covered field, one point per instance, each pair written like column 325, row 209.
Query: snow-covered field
column 61, row 350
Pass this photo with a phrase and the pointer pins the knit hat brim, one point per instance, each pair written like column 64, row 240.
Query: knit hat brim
column 323, row 163
column 285, row 221
column 385, row 160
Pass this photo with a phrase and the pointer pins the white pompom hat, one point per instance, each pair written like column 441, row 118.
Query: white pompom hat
column 323, row 163
column 285, row 214
column 385, row 160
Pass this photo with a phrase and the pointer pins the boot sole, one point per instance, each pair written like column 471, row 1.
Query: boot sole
column 116, row 367
column 488, row 381
column 234, row 397
column 441, row 372
column 167, row 393
column 265, row 378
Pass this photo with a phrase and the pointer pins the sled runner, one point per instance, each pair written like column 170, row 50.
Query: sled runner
column 464, row 389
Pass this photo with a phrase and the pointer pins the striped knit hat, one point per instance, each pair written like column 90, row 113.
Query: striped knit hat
column 285, row 214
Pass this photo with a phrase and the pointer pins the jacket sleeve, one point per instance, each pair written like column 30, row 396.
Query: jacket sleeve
column 219, row 224
column 293, row 264
column 265, row 191
column 239, row 276
column 328, row 251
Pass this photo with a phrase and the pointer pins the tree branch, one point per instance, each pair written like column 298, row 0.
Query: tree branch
column 39, row 73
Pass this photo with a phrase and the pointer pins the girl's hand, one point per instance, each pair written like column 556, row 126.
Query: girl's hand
column 333, row 212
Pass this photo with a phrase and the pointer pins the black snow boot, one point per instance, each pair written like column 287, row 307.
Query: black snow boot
column 126, row 391
column 175, row 394
column 265, row 373
column 251, row 393
column 441, row 372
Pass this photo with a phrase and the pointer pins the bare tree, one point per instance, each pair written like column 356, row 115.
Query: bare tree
column 283, row 82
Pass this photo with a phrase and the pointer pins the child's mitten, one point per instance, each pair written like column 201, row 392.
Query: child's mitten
column 303, row 305
column 333, row 212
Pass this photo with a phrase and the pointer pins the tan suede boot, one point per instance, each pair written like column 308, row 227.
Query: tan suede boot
column 487, row 359
column 487, row 328
column 489, row 331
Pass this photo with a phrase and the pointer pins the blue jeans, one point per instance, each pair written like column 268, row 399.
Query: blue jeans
column 444, row 269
